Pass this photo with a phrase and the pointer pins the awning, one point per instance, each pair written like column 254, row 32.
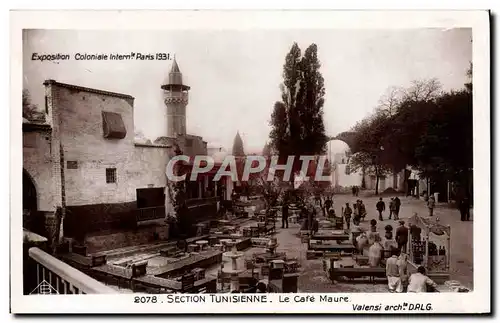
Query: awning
column 113, row 126
column 429, row 225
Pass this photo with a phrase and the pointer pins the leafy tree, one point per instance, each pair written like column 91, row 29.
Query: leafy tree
column 267, row 151
column 30, row 110
column 445, row 145
column 468, row 85
column 419, row 126
column 297, row 126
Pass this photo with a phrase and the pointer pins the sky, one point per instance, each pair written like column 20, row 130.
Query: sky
column 235, row 76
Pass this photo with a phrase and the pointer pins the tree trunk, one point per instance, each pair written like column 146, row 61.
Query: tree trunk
column 395, row 179
column 363, row 182
column 292, row 179
column 376, row 185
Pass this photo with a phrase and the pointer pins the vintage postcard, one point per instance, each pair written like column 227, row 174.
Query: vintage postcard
column 250, row 162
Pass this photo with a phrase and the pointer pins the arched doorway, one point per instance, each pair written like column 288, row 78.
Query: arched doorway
column 29, row 193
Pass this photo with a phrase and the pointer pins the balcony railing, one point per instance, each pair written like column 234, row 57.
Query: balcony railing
column 56, row 277
column 150, row 213
column 201, row 201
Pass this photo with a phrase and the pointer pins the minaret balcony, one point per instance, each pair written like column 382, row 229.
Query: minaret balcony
column 176, row 97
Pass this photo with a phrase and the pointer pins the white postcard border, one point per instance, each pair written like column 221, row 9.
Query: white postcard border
column 474, row 302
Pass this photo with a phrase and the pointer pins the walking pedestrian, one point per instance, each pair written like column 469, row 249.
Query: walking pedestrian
column 402, row 236
column 356, row 219
column 392, row 208
column 284, row 215
column 362, row 210
column 431, row 203
column 380, row 208
column 464, row 207
column 397, row 203
column 347, row 215
column 328, row 206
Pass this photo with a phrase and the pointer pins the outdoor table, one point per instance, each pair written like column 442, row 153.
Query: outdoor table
column 235, row 236
column 202, row 244
column 192, row 247
column 278, row 263
column 225, row 241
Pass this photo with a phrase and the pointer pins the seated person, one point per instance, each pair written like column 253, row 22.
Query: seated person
column 375, row 252
column 362, row 242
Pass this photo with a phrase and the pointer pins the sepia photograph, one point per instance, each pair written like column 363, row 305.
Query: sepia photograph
column 210, row 162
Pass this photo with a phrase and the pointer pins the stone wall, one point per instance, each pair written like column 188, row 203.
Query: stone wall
column 37, row 162
column 142, row 235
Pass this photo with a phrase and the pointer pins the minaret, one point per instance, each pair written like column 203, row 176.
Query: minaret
column 176, row 96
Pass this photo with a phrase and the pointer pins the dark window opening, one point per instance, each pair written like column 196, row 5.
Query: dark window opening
column 71, row 164
column 46, row 105
column 150, row 197
column 110, row 175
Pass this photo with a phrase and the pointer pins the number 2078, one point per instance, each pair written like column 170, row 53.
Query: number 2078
column 145, row 299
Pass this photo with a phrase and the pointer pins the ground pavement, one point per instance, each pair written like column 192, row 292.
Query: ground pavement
column 314, row 279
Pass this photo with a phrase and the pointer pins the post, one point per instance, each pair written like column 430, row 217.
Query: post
column 410, row 247
column 426, row 260
column 448, row 246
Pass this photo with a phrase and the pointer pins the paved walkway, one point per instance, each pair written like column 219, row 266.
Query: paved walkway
column 314, row 279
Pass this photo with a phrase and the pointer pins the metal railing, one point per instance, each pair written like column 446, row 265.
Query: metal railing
column 56, row 277
column 150, row 213
column 201, row 201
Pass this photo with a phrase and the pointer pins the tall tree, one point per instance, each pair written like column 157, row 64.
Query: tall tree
column 297, row 126
column 238, row 146
column 267, row 151
column 178, row 217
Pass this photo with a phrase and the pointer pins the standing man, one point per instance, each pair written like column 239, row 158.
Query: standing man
column 464, row 207
column 347, row 215
column 419, row 282
column 328, row 205
column 392, row 208
column 380, row 208
column 402, row 236
column 431, row 203
column 393, row 273
column 362, row 210
column 284, row 215
column 397, row 203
